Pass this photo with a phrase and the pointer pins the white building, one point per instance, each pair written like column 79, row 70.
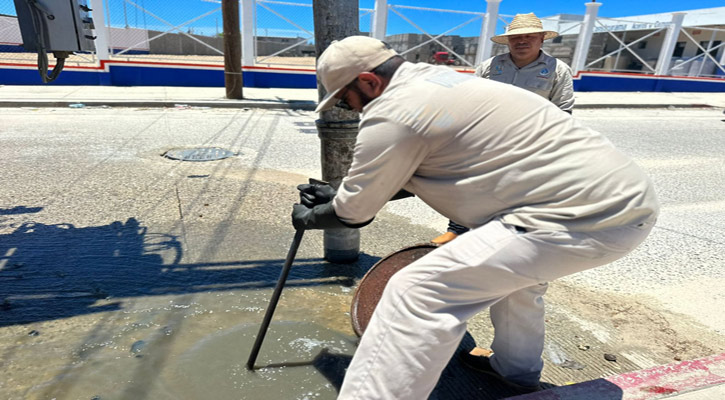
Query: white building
column 635, row 43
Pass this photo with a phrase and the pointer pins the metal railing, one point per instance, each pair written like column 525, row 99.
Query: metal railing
column 637, row 41
column 429, row 22
column 284, row 32
column 704, row 63
column 276, row 43
column 189, row 32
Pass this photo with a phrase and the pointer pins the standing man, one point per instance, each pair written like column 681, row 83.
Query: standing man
column 501, row 160
column 528, row 67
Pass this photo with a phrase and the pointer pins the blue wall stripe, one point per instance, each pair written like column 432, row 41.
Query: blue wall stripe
column 622, row 83
column 159, row 75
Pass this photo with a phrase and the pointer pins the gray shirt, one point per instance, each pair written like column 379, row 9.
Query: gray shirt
column 475, row 149
column 546, row 76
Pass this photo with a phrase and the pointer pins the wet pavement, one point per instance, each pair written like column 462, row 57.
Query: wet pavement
column 127, row 275
column 130, row 275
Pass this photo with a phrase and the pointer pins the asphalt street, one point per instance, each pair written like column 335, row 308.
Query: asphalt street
column 109, row 250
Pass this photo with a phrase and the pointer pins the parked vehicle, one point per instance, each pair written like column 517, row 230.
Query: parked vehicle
column 445, row 58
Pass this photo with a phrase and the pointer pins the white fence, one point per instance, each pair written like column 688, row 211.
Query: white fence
column 282, row 33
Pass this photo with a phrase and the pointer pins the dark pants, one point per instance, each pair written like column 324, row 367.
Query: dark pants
column 455, row 228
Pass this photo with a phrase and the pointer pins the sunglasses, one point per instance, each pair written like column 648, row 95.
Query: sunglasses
column 342, row 103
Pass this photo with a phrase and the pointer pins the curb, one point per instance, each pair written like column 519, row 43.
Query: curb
column 289, row 105
column 686, row 105
column 647, row 384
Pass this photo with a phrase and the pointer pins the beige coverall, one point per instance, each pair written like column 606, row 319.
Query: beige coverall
column 494, row 157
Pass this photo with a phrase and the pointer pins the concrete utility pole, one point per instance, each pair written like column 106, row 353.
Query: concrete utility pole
column 337, row 128
column 232, row 49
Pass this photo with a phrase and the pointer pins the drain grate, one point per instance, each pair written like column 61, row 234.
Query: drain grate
column 199, row 154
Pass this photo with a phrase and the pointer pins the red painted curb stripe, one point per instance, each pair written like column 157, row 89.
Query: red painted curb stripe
column 672, row 378
column 636, row 75
column 646, row 384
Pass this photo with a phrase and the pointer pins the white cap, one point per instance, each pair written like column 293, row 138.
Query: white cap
column 344, row 60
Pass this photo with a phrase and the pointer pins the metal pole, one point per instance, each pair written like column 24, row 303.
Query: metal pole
column 488, row 29
column 337, row 128
column 233, row 81
column 275, row 298
column 585, row 38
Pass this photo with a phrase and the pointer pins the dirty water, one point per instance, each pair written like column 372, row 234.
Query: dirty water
column 300, row 361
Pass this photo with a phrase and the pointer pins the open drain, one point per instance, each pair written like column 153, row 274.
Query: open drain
column 199, row 154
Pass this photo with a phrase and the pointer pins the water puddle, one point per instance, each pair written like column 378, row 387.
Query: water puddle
column 298, row 360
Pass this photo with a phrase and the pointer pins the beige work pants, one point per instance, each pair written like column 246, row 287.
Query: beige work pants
column 421, row 317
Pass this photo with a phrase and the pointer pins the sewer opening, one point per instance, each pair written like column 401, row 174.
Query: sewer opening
column 198, row 154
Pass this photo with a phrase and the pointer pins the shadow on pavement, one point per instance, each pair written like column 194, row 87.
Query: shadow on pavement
column 20, row 210
column 459, row 382
column 56, row 271
column 456, row 381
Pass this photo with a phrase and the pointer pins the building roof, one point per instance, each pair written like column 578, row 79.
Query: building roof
column 698, row 17
column 703, row 17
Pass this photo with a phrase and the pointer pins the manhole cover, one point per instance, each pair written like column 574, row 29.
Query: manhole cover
column 200, row 154
column 370, row 288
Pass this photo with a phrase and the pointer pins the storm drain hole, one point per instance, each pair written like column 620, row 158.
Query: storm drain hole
column 198, row 154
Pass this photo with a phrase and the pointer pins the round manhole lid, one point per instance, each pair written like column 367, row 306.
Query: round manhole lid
column 370, row 288
column 199, row 154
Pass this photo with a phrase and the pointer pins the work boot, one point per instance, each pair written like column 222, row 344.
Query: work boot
column 479, row 351
column 482, row 363
column 444, row 238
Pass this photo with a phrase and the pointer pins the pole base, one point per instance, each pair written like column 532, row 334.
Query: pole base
column 342, row 246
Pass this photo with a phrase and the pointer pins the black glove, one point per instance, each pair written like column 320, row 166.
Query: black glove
column 318, row 217
column 314, row 194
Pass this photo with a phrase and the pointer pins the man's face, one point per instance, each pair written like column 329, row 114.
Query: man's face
column 525, row 47
column 352, row 97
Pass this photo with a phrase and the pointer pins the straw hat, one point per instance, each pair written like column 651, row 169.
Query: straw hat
column 521, row 25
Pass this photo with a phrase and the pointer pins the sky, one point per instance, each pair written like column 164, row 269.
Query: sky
column 436, row 23
column 278, row 19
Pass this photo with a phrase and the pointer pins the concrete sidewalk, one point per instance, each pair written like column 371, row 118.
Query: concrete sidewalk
column 302, row 99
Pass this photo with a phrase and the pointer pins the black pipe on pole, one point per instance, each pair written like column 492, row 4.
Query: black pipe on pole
column 232, row 49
